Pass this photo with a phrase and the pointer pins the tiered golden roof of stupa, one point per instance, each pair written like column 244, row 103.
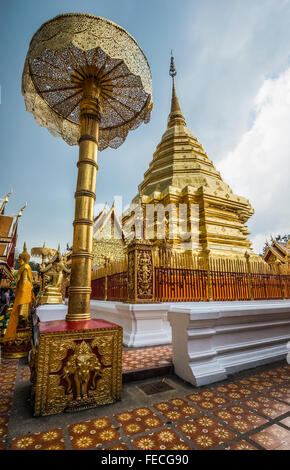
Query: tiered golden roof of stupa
column 182, row 173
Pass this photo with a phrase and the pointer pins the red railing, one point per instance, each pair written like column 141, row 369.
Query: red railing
column 112, row 288
column 229, row 286
column 98, row 289
column 117, row 287
column 221, row 280
column 182, row 285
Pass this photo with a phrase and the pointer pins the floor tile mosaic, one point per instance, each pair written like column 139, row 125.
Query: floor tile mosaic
column 256, row 383
column 282, row 393
column 47, row 440
column 267, row 406
column 275, row 376
column 209, row 416
column 147, row 358
column 205, row 432
column 176, row 409
column 3, row 426
column 207, row 399
column 242, row 445
column 239, row 418
column 273, row 437
column 138, row 420
column 166, row 439
column 286, row 421
column 234, row 391
column 7, row 389
column 5, row 404
column 7, row 378
column 25, row 373
column 120, row 446
column 92, row 433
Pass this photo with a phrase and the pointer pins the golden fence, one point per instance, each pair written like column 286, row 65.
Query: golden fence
column 110, row 282
column 183, row 277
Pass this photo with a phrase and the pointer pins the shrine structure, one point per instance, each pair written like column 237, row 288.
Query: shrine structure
column 182, row 173
column 8, row 240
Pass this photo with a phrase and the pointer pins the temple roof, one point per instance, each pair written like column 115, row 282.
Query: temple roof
column 107, row 225
column 280, row 250
column 8, row 235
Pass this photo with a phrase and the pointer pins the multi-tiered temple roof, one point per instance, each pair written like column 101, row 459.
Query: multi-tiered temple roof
column 8, row 238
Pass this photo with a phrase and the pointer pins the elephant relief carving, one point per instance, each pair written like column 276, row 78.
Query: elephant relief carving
column 78, row 370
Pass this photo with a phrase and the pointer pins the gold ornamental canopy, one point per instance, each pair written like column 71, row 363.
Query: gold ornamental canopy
column 71, row 49
column 86, row 80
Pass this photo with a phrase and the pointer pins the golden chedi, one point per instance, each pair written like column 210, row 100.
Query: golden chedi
column 182, row 173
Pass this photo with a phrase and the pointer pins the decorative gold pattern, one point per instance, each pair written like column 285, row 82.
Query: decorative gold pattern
column 140, row 271
column 71, row 47
column 19, row 347
column 77, row 369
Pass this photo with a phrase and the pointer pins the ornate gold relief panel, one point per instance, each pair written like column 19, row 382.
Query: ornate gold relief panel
column 78, row 372
column 144, row 274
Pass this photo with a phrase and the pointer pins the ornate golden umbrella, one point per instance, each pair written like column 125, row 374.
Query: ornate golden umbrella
column 42, row 252
column 87, row 80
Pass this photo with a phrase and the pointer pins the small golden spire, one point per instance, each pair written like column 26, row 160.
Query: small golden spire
column 175, row 117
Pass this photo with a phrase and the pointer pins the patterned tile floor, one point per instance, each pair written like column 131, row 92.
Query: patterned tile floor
column 147, row 358
column 249, row 411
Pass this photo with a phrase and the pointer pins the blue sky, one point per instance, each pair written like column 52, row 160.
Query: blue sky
column 226, row 52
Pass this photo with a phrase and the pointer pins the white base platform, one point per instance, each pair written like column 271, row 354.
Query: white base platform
column 50, row 312
column 215, row 339
column 143, row 324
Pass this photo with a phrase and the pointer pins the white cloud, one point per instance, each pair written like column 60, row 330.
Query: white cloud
column 259, row 166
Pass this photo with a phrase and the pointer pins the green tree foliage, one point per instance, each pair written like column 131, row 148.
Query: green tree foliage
column 34, row 266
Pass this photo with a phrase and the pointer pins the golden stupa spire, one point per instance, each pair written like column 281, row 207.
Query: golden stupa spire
column 175, row 117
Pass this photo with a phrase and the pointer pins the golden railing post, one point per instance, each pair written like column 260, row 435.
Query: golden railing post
column 247, row 256
column 140, row 272
column 209, row 279
column 278, row 264
column 106, row 279
column 80, row 283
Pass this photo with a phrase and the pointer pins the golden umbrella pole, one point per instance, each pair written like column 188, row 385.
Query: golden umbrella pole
column 87, row 80
column 81, row 267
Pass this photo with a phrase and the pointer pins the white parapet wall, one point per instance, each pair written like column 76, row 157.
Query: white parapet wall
column 143, row 324
column 50, row 312
column 215, row 339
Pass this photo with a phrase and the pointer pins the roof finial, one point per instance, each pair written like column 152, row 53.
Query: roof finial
column 175, row 116
column 172, row 70
column 2, row 208
column 22, row 209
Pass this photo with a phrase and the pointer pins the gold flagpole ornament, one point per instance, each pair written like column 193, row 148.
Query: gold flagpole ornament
column 87, row 80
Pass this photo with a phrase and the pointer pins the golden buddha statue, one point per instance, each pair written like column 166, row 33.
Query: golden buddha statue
column 56, row 268
column 23, row 297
